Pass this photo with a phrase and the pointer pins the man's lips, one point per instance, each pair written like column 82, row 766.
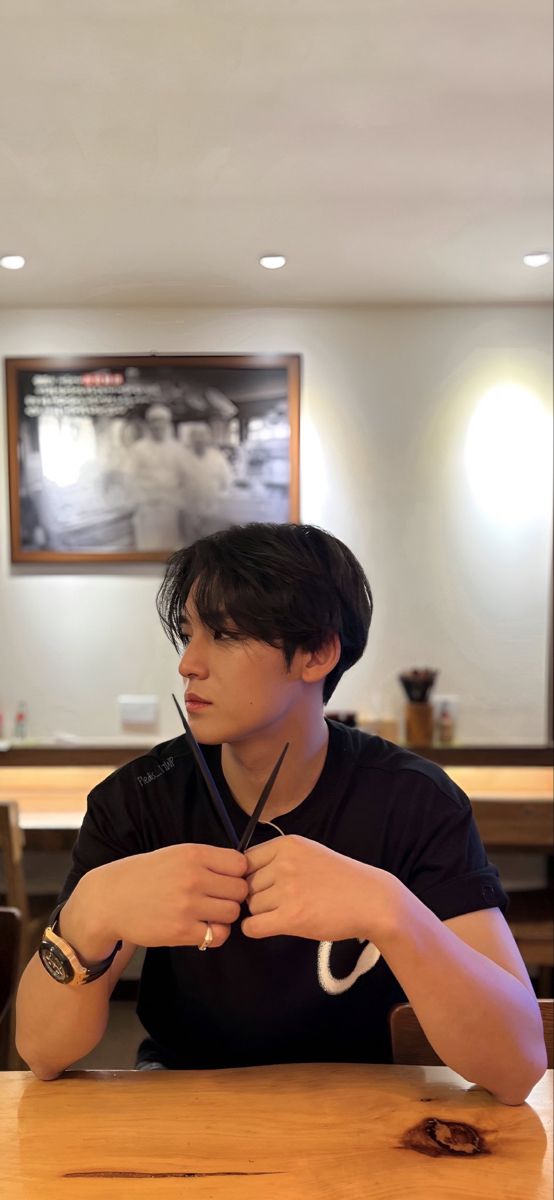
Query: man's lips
column 194, row 701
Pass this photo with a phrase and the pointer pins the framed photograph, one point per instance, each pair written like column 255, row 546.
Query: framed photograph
column 126, row 458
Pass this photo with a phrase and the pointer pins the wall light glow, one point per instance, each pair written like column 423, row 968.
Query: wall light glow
column 508, row 455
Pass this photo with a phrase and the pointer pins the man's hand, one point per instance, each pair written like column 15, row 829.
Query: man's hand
column 164, row 898
column 301, row 888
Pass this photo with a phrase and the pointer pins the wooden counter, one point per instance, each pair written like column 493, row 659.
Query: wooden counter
column 513, row 805
column 27, row 754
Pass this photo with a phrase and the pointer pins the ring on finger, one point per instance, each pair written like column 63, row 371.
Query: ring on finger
column 208, row 937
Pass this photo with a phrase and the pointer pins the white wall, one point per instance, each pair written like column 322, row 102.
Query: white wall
column 386, row 399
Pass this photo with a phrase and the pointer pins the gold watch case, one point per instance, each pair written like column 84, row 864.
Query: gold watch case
column 61, row 961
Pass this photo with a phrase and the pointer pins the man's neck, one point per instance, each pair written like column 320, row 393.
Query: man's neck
column 247, row 766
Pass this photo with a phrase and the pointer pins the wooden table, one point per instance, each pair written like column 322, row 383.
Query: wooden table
column 513, row 805
column 305, row 1132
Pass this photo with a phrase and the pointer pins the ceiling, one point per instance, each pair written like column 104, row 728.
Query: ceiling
column 395, row 152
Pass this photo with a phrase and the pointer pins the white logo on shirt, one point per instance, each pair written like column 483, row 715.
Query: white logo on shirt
column 335, row 987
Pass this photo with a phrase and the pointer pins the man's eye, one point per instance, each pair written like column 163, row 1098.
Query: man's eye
column 185, row 639
column 225, row 634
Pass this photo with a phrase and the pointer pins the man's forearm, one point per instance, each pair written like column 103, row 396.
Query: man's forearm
column 480, row 1019
column 56, row 1025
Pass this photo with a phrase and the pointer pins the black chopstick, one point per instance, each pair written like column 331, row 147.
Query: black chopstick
column 209, row 780
column 247, row 835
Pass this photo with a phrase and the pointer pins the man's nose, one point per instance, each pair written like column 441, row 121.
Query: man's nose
column 192, row 661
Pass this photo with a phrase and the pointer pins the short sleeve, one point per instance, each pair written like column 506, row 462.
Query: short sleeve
column 444, row 861
column 108, row 832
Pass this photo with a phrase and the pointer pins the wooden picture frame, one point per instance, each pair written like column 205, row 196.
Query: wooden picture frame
column 125, row 458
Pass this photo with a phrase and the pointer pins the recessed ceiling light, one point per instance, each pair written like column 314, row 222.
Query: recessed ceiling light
column 12, row 262
column 272, row 262
column 539, row 259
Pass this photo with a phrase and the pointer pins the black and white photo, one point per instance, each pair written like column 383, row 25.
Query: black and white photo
column 120, row 458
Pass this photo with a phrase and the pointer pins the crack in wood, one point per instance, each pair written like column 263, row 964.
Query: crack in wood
column 160, row 1174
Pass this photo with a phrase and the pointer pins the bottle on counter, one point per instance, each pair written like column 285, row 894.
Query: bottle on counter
column 445, row 726
column 20, row 720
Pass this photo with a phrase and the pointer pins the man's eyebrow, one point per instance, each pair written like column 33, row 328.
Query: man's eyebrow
column 224, row 618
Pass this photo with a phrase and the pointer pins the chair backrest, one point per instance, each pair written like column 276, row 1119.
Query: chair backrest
column 10, row 960
column 411, row 1047
column 547, row 1014
column 10, row 939
column 11, row 850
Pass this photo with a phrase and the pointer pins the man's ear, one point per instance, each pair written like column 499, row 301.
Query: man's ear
column 318, row 663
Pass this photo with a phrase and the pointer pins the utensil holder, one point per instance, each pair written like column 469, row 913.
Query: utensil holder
column 419, row 723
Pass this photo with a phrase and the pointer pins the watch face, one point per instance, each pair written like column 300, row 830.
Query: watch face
column 56, row 962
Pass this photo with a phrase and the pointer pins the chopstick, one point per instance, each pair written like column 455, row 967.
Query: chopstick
column 214, row 793
column 208, row 780
column 247, row 835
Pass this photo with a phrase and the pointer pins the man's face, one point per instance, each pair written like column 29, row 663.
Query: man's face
column 200, row 440
column 159, row 426
column 245, row 684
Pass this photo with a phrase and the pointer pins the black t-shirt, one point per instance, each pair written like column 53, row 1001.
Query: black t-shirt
column 287, row 999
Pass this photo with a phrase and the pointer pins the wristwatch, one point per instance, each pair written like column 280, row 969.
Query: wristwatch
column 62, row 962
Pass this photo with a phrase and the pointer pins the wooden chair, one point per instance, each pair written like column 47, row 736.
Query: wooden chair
column 10, row 939
column 34, row 911
column 411, row 1047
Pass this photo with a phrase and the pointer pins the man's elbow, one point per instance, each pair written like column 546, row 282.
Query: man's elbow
column 41, row 1069
column 45, row 1074
column 517, row 1091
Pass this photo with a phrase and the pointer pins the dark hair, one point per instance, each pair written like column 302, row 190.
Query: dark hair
column 291, row 586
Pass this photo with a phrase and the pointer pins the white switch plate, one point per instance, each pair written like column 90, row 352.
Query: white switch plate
column 138, row 710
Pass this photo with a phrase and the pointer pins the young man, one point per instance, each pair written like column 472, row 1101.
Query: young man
column 366, row 882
